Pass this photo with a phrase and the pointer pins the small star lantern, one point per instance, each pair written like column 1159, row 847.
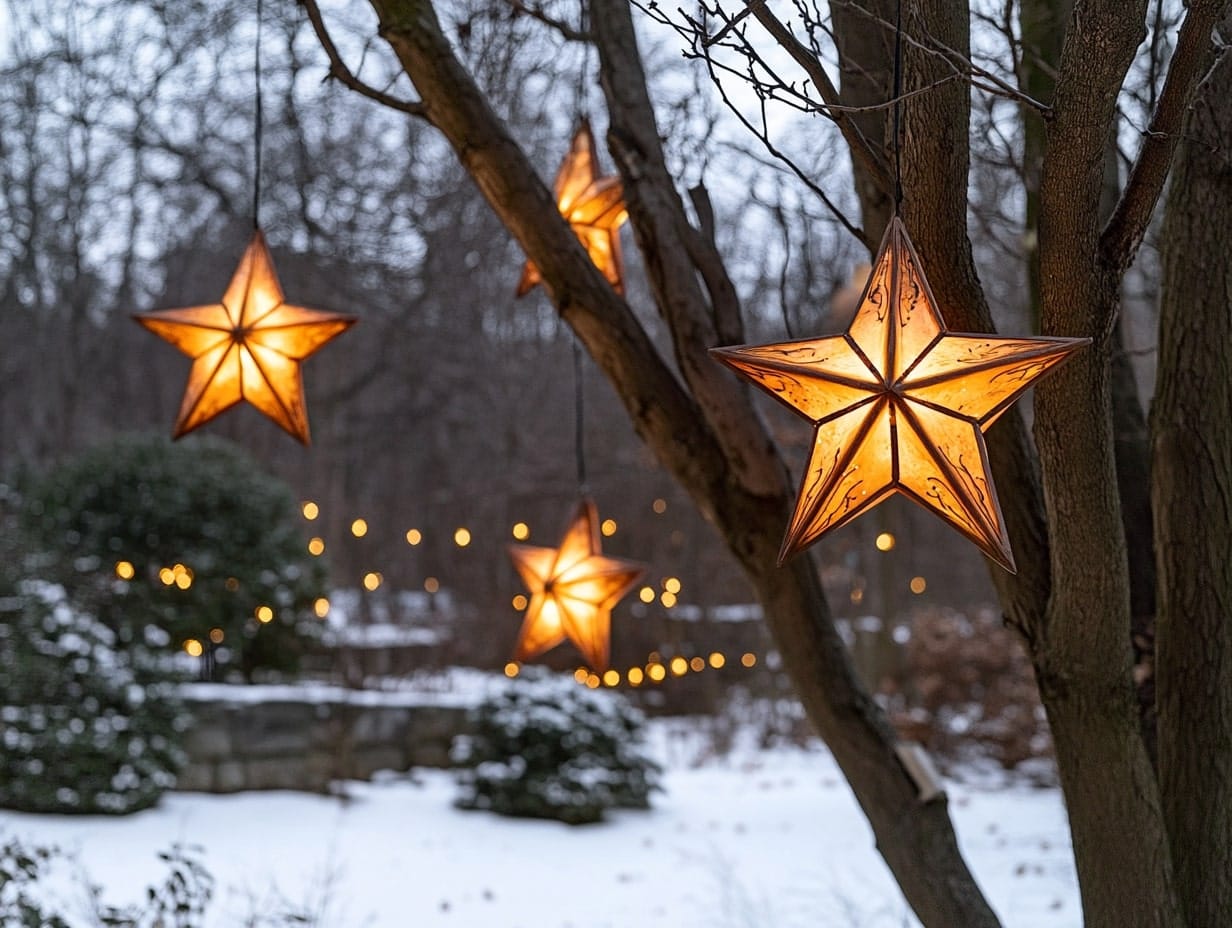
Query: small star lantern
column 248, row 347
column 899, row 405
column 573, row 590
column 594, row 206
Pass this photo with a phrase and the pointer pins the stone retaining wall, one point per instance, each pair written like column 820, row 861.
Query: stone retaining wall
column 246, row 744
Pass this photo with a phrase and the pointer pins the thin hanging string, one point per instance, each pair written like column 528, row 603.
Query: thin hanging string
column 581, row 100
column 898, row 106
column 579, row 417
column 256, row 141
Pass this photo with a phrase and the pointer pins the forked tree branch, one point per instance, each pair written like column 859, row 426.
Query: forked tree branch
column 339, row 71
column 1191, row 61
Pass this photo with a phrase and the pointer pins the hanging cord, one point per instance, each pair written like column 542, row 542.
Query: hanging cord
column 581, row 100
column 898, row 106
column 256, row 174
column 579, row 417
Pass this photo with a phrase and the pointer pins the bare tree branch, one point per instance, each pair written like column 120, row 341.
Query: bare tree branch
column 559, row 25
column 340, row 72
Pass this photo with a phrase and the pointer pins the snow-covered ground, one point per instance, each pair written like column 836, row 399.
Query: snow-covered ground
column 759, row 839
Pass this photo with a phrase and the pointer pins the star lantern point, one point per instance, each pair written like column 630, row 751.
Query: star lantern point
column 573, row 589
column 247, row 347
column 899, row 405
column 594, row 208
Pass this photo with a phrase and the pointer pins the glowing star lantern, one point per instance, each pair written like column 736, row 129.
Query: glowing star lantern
column 248, row 347
column 899, row 405
column 573, row 590
column 594, row 207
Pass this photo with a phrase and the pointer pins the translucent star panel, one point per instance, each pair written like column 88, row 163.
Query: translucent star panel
column 899, row 405
column 573, row 589
column 248, row 347
column 593, row 206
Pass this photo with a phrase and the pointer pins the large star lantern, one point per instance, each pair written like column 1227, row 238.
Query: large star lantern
column 899, row 405
column 594, row 207
column 573, row 590
column 248, row 347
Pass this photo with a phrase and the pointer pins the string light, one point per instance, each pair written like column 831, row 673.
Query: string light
column 359, row 528
column 672, row 585
column 316, row 546
column 521, row 531
column 264, row 614
column 311, row 510
column 697, row 664
column 608, row 528
column 125, row 570
column 462, row 537
column 193, row 647
column 593, row 681
column 413, row 537
column 656, row 672
column 635, row 676
column 668, row 600
column 717, row 660
column 512, row 669
column 321, row 607
column 646, row 594
column 659, row 506
column 611, row 678
column 217, row 635
column 679, row 666
column 748, row 659
column 432, row 585
column 885, row 542
column 372, row 580
column 918, row 585
column 581, row 674
column 520, row 602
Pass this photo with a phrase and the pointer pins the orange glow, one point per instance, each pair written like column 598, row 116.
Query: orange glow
column 593, row 681
column 265, row 615
column 316, row 546
column 413, row 537
column 646, row 594
column 679, row 666
column 520, row 602
column 372, row 580
column 581, row 674
column 462, row 537
column 717, row 660
column 248, row 347
column 659, row 506
column 311, row 510
column 668, row 600
column 321, row 607
column 748, row 659
column 697, row 664
column 521, row 531
column 217, row 635
column 193, row 647
column 885, row 542
column 432, row 585
column 608, row 528
column 635, row 676
column 611, row 678
column 918, row 585
column 359, row 528
column 125, row 570
column 899, row 405
column 593, row 206
column 656, row 672
column 573, row 590
column 672, row 585
column 512, row 669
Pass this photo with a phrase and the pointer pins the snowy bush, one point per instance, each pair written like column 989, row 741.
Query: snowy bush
column 82, row 728
column 148, row 505
column 548, row 748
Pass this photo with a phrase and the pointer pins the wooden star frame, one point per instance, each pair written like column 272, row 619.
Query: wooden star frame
column 899, row 405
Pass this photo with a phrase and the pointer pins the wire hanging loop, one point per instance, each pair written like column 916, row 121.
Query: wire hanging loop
column 581, row 96
column 257, row 127
column 897, row 99
column 579, row 417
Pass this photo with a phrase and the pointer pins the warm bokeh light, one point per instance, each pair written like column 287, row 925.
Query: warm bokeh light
column 311, row 510
column 581, row 674
column 512, row 669
column 247, row 346
column 264, row 614
column 316, row 546
column 321, row 607
column 635, row 676
column 166, row 575
column 593, row 681
column 193, row 647
column 521, row 531
column 646, row 594
column 918, row 585
column 232, row 584
column 593, row 206
column 656, row 672
column 608, row 528
column 717, row 660
column 672, row 585
column 659, row 506
column 217, row 635
column 748, row 659
column 413, row 537
column 899, row 405
column 857, row 596
column 885, row 542
column 181, row 576
column 679, row 666
column 611, row 678
column 125, row 570
column 668, row 600
column 462, row 537
column 432, row 585
column 359, row 528
column 372, row 580
column 697, row 664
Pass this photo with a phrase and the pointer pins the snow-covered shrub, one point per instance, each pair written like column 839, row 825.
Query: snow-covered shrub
column 21, row 867
column 548, row 748
column 82, row 728
column 146, row 505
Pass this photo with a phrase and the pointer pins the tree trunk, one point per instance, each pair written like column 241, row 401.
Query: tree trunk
column 1192, row 495
column 737, row 480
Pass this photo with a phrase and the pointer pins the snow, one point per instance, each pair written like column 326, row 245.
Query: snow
column 757, row 839
column 454, row 686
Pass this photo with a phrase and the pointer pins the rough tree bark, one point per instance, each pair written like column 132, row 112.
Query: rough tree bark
column 736, row 477
column 1192, row 494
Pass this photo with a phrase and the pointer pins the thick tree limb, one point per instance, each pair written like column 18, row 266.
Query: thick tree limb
column 1190, row 61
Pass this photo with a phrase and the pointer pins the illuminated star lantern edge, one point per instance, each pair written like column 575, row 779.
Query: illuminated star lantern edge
column 247, row 347
column 573, row 588
column 899, row 405
column 594, row 208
